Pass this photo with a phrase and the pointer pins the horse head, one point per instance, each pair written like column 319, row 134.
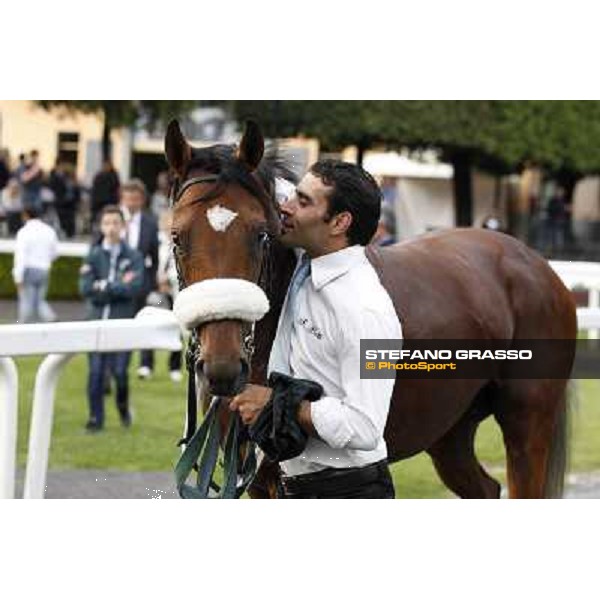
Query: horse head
column 224, row 218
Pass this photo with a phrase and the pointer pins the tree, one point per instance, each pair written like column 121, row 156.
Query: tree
column 496, row 136
column 453, row 128
column 123, row 113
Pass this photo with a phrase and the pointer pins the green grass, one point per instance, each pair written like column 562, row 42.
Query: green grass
column 159, row 413
column 64, row 278
column 159, row 407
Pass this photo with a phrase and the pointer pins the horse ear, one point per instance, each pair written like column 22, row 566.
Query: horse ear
column 252, row 145
column 178, row 151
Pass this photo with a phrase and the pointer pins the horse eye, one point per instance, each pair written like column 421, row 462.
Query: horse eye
column 263, row 237
column 178, row 243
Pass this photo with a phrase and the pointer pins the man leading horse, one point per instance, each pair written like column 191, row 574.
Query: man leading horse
column 335, row 298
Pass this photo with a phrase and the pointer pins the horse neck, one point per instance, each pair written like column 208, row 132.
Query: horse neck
column 282, row 264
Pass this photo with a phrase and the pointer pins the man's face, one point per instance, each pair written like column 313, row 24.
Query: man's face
column 111, row 227
column 304, row 217
column 133, row 200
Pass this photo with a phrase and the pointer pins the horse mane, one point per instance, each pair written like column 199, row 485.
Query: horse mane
column 221, row 160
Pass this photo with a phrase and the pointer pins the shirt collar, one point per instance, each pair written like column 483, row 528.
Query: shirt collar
column 110, row 247
column 328, row 267
column 131, row 218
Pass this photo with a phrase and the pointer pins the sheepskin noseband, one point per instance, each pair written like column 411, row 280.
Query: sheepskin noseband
column 218, row 299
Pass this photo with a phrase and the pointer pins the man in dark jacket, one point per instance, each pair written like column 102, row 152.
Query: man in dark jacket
column 110, row 278
column 142, row 235
column 105, row 189
column 4, row 170
column 66, row 191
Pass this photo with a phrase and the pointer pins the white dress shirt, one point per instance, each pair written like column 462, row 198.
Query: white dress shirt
column 132, row 232
column 341, row 302
column 36, row 247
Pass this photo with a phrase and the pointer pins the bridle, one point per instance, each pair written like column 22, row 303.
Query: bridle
column 264, row 275
column 178, row 189
column 201, row 445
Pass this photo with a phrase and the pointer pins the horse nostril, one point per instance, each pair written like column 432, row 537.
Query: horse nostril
column 200, row 367
column 226, row 377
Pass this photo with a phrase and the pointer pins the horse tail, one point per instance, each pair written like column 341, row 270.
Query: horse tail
column 558, row 459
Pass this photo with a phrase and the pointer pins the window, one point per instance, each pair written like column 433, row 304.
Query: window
column 68, row 148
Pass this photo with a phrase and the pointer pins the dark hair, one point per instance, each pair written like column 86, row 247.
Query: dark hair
column 355, row 191
column 111, row 209
column 31, row 210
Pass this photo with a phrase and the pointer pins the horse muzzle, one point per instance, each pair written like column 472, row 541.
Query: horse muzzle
column 224, row 378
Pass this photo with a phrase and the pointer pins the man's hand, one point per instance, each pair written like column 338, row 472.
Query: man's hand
column 251, row 402
column 128, row 277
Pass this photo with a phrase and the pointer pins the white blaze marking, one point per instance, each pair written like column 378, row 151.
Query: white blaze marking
column 220, row 217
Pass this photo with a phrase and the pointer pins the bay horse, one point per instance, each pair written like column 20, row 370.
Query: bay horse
column 456, row 284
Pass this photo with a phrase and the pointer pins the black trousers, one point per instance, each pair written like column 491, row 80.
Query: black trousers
column 146, row 356
column 66, row 217
column 175, row 360
column 372, row 481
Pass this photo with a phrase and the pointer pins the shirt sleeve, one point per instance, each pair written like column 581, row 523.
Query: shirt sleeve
column 19, row 258
column 357, row 419
column 120, row 289
column 88, row 276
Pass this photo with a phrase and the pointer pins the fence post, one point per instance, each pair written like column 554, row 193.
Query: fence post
column 9, row 392
column 41, row 424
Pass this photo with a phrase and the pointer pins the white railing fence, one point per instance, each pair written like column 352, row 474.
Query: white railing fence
column 9, row 390
column 77, row 249
column 153, row 328
column 583, row 276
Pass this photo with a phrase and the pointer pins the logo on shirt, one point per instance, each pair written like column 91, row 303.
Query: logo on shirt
column 312, row 329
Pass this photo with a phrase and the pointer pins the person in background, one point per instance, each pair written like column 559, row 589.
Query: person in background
column 168, row 284
column 36, row 248
column 32, row 179
column 555, row 221
column 105, row 189
column 110, row 278
column 12, row 205
column 66, row 196
column 141, row 233
column 20, row 169
column 386, row 228
column 4, row 170
column 389, row 191
column 57, row 184
column 160, row 199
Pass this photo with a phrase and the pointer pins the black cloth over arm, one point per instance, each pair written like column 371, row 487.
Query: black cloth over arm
column 277, row 431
